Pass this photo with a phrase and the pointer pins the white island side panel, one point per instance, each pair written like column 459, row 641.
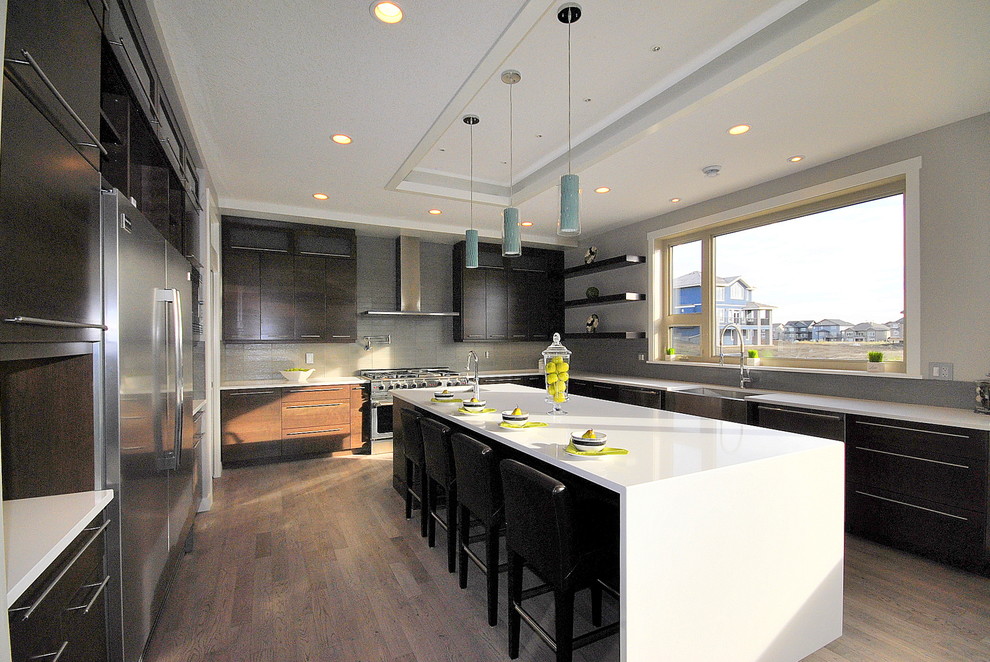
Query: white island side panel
column 742, row 564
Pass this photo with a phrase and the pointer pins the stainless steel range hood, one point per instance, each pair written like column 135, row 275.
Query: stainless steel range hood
column 408, row 283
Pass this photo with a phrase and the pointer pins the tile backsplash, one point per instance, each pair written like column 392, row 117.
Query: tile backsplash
column 416, row 341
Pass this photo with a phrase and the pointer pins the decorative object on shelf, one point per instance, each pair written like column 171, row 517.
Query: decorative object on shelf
column 471, row 236
column 875, row 362
column 604, row 265
column 983, row 396
column 569, row 222
column 511, row 241
column 297, row 374
column 591, row 324
column 591, row 254
column 556, row 371
column 592, row 293
column 670, row 354
column 752, row 357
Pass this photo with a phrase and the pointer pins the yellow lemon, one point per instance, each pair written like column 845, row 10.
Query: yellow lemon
column 550, row 389
column 517, row 411
column 551, row 368
column 560, row 387
column 474, row 400
column 563, row 376
column 552, row 378
column 590, row 434
column 558, row 359
column 445, row 392
column 560, row 397
column 563, row 367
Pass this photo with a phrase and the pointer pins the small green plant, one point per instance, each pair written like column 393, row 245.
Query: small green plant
column 670, row 351
column 874, row 357
column 752, row 353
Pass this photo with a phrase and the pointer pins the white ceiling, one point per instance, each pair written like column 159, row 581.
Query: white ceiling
column 265, row 84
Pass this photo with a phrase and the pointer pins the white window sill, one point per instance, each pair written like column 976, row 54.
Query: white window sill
column 816, row 371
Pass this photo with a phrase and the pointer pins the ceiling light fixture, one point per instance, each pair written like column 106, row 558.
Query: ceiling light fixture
column 320, row 196
column 675, row 200
column 712, row 170
column 602, row 189
column 386, row 12
column 511, row 241
column 739, row 129
column 526, row 224
column 471, row 235
column 796, row 158
column 341, row 139
column 569, row 222
column 435, row 212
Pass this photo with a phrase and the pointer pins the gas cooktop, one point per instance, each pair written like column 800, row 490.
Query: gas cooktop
column 401, row 378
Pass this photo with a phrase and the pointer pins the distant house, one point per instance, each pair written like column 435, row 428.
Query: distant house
column 796, row 330
column 896, row 330
column 866, row 332
column 829, row 329
column 733, row 305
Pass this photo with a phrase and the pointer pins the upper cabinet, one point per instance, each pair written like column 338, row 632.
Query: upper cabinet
column 286, row 282
column 508, row 299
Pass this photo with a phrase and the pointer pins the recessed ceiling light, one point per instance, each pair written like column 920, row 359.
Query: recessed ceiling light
column 739, row 129
column 796, row 158
column 435, row 212
column 320, row 196
column 602, row 189
column 657, row 49
column 386, row 12
column 675, row 200
column 341, row 139
column 526, row 224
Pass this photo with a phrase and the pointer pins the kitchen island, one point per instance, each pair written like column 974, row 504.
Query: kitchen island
column 731, row 536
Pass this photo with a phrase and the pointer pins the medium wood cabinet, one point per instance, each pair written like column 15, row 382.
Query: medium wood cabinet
column 251, row 424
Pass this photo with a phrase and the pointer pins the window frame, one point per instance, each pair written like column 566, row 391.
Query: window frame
column 898, row 178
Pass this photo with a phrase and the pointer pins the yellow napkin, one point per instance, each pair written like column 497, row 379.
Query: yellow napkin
column 571, row 448
column 480, row 411
column 527, row 424
column 451, row 400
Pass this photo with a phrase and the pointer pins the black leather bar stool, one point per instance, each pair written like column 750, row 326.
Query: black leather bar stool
column 441, row 476
column 479, row 493
column 412, row 448
column 567, row 548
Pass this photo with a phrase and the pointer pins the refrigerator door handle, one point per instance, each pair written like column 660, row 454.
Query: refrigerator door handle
column 171, row 296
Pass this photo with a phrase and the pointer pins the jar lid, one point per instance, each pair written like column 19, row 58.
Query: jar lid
column 555, row 348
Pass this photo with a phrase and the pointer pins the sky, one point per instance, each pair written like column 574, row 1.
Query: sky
column 845, row 263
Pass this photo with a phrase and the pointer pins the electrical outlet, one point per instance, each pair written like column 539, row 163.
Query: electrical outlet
column 641, row 356
column 940, row 370
column 309, row 358
column 488, row 355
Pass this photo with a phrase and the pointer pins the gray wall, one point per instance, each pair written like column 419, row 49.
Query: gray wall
column 420, row 341
column 955, row 256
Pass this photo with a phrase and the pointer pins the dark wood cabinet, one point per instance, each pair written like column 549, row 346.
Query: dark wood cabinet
column 824, row 424
column 251, row 424
column 511, row 299
column 302, row 295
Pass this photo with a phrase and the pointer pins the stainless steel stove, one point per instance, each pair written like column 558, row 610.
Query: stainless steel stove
column 383, row 382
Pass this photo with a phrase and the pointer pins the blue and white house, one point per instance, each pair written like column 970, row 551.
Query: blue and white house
column 866, row 332
column 733, row 305
column 796, row 330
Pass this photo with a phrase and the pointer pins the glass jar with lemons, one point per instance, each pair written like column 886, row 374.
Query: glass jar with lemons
column 556, row 371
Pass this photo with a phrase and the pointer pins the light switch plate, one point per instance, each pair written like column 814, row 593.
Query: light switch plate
column 309, row 358
column 940, row 370
column 641, row 357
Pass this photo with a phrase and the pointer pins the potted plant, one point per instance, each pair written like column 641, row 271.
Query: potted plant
column 752, row 357
column 670, row 354
column 875, row 362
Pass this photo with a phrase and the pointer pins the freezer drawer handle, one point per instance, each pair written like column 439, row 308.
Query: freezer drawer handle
column 29, row 609
column 57, row 654
column 329, row 404
column 912, row 457
column 37, row 321
column 290, row 434
column 29, row 60
column 92, row 601
column 911, row 505
column 831, row 417
column 900, row 427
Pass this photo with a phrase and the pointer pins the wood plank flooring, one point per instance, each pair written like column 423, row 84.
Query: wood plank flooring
column 313, row 560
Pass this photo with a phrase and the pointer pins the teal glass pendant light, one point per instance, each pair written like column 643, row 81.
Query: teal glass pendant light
column 471, row 235
column 511, row 241
column 569, row 221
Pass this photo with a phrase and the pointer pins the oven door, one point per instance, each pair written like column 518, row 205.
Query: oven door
column 381, row 421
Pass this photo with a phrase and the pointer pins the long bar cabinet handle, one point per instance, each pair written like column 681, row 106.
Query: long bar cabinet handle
column 38, row 321
column 29, row 609
column 912, row 457
column 290, row 434
column 92, row 601
column 831, row 417
column 238, row 393
column 901, row 427
column 329, row 404
column 30, row 61
column 55, row 656
column 313, row 390
column 911, row 505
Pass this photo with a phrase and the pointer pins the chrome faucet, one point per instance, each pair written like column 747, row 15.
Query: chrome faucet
column 744, row 377
column 477, row 365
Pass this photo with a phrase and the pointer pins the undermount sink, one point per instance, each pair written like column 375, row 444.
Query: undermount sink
column 724, row 404
column 731, row 393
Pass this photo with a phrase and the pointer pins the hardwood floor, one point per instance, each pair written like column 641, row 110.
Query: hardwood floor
column 313, row 560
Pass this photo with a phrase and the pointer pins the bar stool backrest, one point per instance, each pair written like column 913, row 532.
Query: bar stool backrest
column 479, row 486
column 412, row 436
column 539, row 521
column 436, row 447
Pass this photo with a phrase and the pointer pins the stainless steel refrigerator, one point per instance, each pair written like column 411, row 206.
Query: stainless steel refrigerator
column 150, row 457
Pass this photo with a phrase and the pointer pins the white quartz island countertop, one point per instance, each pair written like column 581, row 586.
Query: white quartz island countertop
column 37, row 530
column 731, row 535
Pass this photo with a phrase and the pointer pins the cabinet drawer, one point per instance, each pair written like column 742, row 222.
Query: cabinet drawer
column 919, row 438
column 322, row 440
column 949, row 534
column 85, row 620
column 823, row 424
column 315, row 414
column 331, row 393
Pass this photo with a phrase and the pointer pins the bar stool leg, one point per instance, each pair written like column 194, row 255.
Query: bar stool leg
column 465, row 536
column 491, row 562
column 409, row 486
column 424, row 508
column 563, row 615
column 452, row 508
column 596, row 604
column 515, row 597
column 432, row 524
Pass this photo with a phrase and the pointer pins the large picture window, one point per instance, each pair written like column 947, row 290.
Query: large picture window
column 818, row 284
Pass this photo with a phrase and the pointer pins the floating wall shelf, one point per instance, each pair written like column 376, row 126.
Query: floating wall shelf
column 607, row 298
column 622, row 335
column 605, row 265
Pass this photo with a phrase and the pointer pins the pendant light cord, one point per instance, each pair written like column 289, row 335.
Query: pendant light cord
column 510, row 146
column 472, row 176
column 568, row 97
